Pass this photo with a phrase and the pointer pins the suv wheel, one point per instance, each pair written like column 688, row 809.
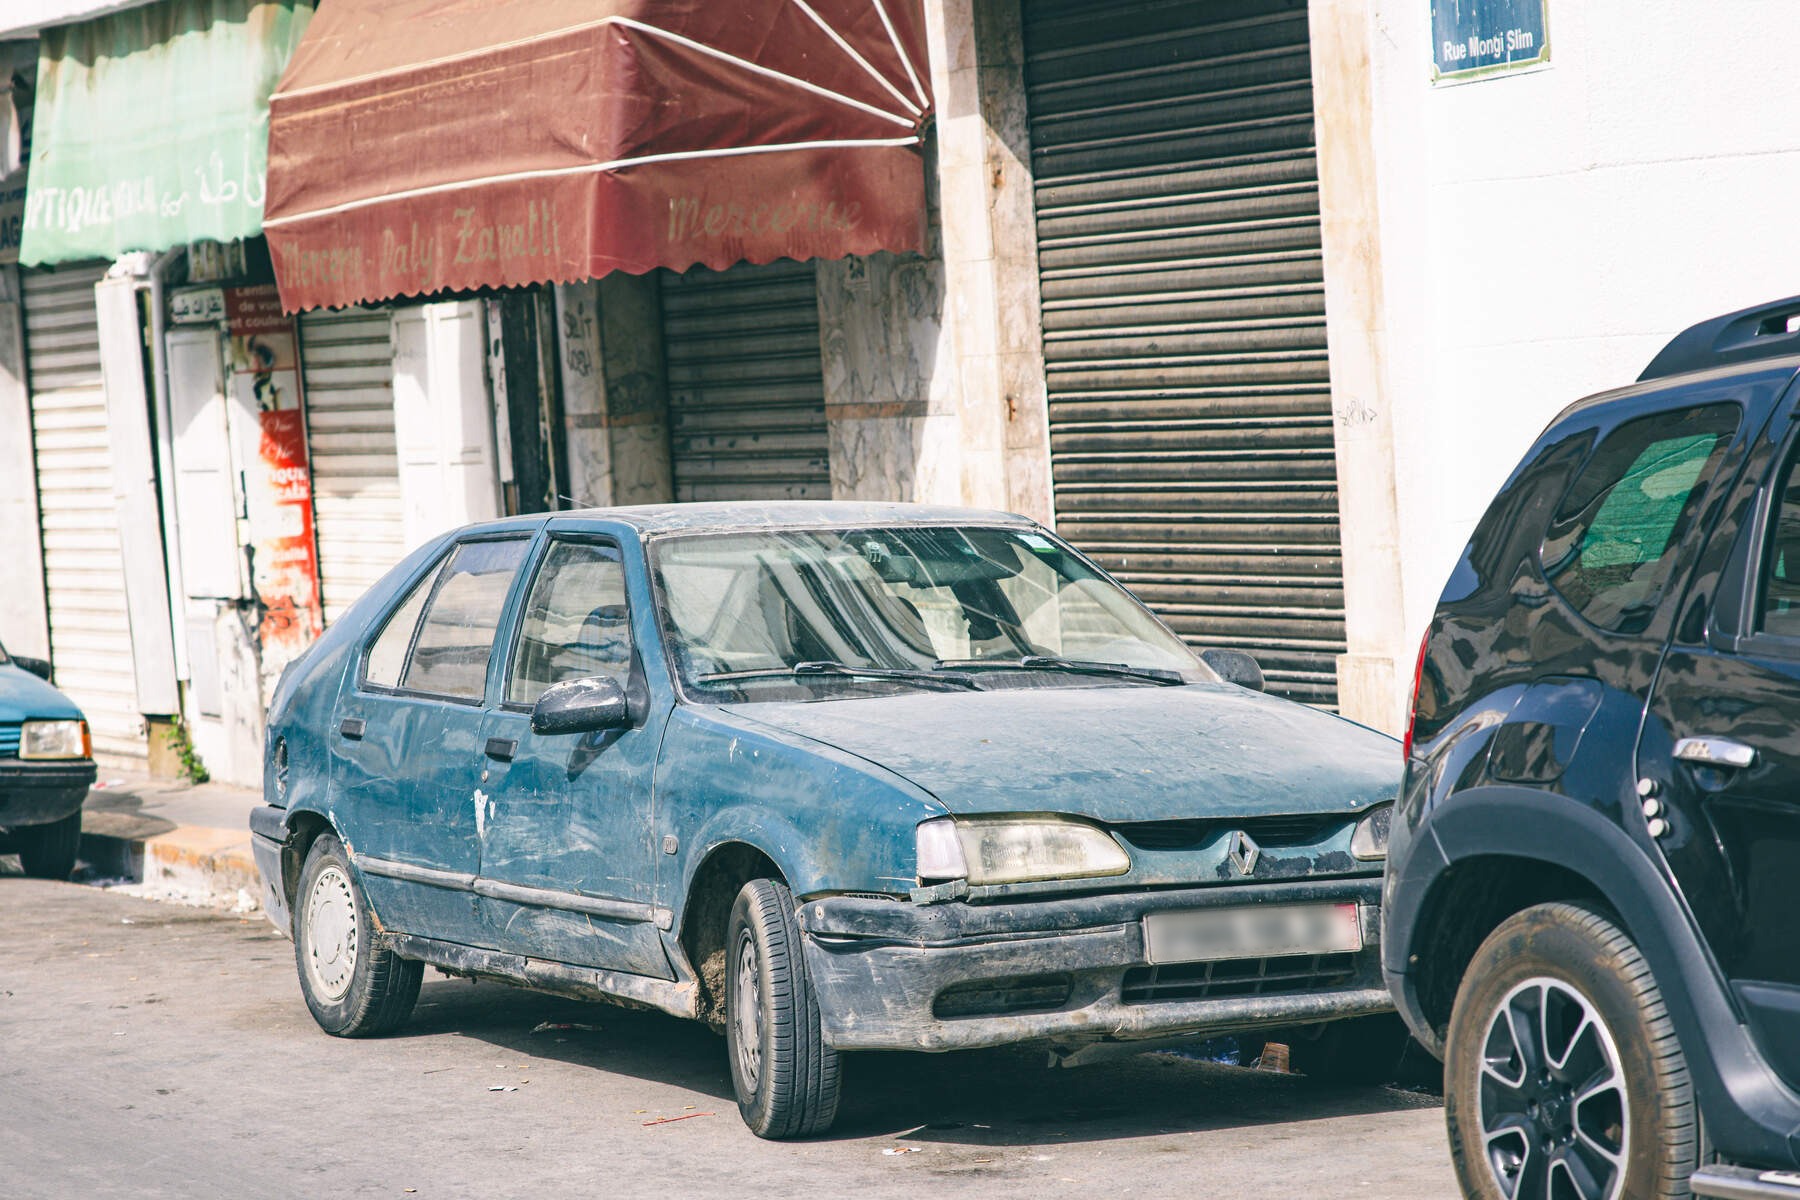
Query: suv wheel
column 354, row 987
column 1563, row 1077
column 785, row 1076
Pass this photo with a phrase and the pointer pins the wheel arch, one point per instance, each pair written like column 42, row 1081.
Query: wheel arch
column 712, row 888
column 304, row 826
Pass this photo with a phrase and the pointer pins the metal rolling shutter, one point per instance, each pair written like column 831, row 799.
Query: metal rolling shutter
column 348, row 361
column 746, row 388
column 1184, row 318
column 84, row 568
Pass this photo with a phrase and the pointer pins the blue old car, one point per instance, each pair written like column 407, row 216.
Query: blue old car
column 830, row 777
column 46, row 767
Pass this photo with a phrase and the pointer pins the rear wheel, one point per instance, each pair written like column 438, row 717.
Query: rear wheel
column 48, row 851
column 354, row 987
column 1563, row 1078
column 785, row 1076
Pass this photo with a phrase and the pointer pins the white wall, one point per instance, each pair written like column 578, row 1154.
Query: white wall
column 1542, row 235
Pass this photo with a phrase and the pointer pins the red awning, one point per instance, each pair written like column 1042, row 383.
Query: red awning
column 423, row 145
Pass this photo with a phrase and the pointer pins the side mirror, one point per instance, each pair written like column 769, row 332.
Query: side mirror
column 581, row 706
column 36, row 666
column 1234, row 666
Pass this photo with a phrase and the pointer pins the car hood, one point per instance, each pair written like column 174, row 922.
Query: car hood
column 23, row 696
column 1111, row 753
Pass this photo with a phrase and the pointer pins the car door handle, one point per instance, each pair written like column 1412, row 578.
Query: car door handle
column 502, row 749
column 1715, row 752
column 352, row 728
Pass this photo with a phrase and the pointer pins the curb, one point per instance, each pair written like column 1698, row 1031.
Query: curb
column 193, row 864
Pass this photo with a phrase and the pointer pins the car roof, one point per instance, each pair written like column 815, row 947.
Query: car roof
column 1672, row 390
column 725, row 516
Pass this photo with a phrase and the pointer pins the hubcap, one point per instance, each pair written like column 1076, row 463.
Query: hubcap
column 330, row 934
column 1555, row 1121
column 746, row 1013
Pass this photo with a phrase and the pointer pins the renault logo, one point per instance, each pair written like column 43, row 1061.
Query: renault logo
column 1244, row 853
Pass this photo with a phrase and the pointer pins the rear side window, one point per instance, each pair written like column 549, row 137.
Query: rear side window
column 447, row 652
column 1610, row 548
column 1780, row 601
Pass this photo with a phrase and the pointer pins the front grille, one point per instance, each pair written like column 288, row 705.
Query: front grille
column 1237, row 977
column 9, row 740
column 1303, row 830
column 997, row 997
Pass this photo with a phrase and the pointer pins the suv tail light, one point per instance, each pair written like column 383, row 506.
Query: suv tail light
column 1412, row 716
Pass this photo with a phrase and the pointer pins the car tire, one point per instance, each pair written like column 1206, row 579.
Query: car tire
column 48, row 851
column 354, row 987
column 785, row 1076
column 1561, row 1064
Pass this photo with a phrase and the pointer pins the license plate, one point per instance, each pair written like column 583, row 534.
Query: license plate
column 1259, row 931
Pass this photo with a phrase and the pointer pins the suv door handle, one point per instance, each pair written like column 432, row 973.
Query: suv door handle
column 1715, row 752
column 352, row 728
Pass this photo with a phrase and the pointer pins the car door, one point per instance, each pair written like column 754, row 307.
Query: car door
column 1719, row 759
column 406, row 746
column 567, row 864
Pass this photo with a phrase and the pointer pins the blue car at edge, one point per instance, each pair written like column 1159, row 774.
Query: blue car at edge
column 830, row 777
column 46, row 767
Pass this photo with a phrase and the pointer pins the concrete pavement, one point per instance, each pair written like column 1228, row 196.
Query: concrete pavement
column 161, row 1051
column 170, row 840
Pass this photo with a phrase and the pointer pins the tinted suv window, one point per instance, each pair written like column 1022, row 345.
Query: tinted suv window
column 1780, row 603
column 456, row 635
column 1610, row 548
column 576, row 625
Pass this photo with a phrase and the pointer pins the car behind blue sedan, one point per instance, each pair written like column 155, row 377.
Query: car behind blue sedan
column 46, row 767
column 830, row 777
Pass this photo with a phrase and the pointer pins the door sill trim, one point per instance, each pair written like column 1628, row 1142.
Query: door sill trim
column 677, row 997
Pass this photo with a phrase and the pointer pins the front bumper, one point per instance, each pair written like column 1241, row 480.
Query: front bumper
column 36, row 793
column 1071, row 971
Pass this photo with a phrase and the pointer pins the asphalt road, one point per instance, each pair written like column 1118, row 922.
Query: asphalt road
column 152, row 1050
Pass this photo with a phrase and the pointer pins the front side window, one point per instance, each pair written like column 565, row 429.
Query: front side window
column 741, row 611
column 454, row 637
column 576, row 623
column 1610, row 548
column 1779, row 599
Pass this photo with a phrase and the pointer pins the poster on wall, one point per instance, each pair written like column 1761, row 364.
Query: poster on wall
column 1479, row 39
column 265, row 380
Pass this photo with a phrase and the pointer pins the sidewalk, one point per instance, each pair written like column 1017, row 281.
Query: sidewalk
column 172, row 840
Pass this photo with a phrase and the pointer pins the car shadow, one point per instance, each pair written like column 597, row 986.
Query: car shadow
column 1003, row 1097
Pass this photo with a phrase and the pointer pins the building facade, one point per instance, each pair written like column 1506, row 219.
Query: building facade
column 1256, row 301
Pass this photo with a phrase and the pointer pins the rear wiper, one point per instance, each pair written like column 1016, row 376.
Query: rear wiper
column 1075, row 666
column 844, row 669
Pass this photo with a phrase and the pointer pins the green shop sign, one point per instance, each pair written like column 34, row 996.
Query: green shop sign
column 152, row 126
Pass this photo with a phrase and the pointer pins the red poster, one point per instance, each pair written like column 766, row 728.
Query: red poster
column 265, row 380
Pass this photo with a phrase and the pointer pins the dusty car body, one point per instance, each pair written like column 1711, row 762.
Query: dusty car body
column 46, row 767
column 698, row 801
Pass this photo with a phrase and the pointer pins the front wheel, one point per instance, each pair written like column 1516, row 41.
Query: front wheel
column 1563, row 1077
column 48, row 851
column 785, row 1076
column 354, row 987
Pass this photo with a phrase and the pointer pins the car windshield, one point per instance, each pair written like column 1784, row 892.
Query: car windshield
column 804, row 613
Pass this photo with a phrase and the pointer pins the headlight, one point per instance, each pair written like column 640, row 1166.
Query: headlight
column 1370, row 841
column 1016, row 850
column 54, row 739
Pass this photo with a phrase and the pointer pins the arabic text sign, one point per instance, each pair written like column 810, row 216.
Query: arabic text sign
column 1473, row 39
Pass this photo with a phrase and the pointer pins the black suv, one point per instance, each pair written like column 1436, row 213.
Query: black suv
column 1592, row 906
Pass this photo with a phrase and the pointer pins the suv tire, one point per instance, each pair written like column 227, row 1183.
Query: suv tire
column 354, row 987
column 1560, row 1058
column 48, row 851
column 785, row 1076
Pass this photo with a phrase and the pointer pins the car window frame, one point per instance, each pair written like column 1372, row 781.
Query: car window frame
column 1674, row 584
column 1749, row 637
column 507, row 610
column 528, row 576
column 659, row 601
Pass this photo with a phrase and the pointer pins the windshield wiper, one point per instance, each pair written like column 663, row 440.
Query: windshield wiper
column 1074, row 666
column 846, row 670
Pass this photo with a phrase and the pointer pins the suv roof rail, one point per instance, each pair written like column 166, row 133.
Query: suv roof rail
column 1765, row 331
